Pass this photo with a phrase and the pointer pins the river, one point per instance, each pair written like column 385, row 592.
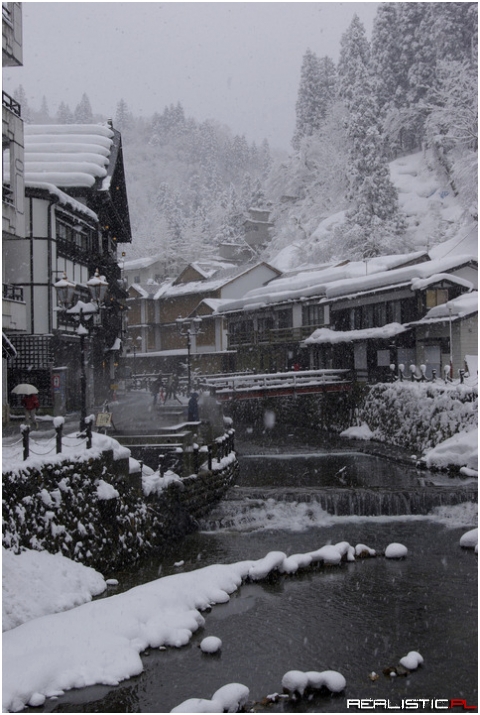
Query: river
column 357, row 618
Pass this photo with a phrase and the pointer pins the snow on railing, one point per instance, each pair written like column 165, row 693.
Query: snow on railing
column 266, row 381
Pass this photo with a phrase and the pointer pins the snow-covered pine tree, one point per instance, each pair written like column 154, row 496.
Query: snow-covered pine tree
column 83, row 111
column 64, row 114
column 43, row 116
column 452, row 126
column 374, row 218
column 266, row 160
column 308, row 106
column 123, row 117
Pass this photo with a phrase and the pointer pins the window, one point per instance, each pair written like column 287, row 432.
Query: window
column 264, row 325
column 285, row 318
column 313, row 315
column 379, row 315
column 240, row 332
column 436, row 296
column 7, row 193
column 136, row 279
column 394, row 313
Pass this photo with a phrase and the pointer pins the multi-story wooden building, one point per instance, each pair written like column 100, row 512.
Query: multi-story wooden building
column 14, row 315
column 76, row 215
column 165, row 320
column 362, row 317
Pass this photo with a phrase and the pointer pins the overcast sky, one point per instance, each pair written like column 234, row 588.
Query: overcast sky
column 238, row 63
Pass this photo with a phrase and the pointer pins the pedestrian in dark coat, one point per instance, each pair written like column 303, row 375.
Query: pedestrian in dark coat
column 193, row 408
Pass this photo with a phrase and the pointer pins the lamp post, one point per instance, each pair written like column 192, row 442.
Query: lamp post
column 189, row 327
column 67, row 291
column 450, row 338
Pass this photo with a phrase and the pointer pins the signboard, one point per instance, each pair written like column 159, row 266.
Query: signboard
column 104, row 419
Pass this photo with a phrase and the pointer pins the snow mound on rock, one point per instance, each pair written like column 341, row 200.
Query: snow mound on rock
column 396, row 551
column 362, row 432
column 210, row 644
column 469, row 540
column 412, row 660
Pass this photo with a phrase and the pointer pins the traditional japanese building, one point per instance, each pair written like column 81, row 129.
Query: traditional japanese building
column 76, row 213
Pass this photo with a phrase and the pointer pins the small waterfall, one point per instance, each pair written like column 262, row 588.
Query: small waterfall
column 360, row 502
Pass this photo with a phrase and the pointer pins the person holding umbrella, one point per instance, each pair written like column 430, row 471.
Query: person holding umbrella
column 31, row 405
column 29, row 401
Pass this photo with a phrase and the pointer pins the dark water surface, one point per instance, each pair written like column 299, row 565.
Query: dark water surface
column 356, row 618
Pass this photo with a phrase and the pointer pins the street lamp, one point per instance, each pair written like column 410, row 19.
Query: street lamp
column 189, row 327
column 82, row 312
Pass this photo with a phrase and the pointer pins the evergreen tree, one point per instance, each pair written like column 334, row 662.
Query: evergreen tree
column 308, row 106
column 64, row 114
column 43, row 116
column 266, row 160
column 391, row 81
column 123, row 117
column 372, row 196
column 83, row 111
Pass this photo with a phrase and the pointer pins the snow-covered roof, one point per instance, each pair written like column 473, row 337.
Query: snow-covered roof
column 391, row 278
column 461, row 307
column 325, row 335
column 67, row 155
column 219, row 280
column 63, row 198
column 146, row 290
column 315, row 281
column 137, row 263
column 422, row 283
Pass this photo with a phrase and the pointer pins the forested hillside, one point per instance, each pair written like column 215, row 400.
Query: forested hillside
column 409, row 90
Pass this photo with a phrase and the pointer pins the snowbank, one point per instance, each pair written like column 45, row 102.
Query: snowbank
column 461, row 450
column 362, row 432
column 36, row 583
column 101, row 641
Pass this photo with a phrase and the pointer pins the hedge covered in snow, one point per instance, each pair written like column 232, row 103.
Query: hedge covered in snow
column 418, row 416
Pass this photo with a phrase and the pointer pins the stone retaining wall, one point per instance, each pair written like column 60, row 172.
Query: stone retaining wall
column 93, row 512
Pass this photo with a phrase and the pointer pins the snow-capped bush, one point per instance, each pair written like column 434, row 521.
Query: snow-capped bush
column 419, row 416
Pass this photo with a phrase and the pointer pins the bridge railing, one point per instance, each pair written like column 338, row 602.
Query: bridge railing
column 269, row 380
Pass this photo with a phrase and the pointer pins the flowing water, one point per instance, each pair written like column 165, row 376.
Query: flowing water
column 357, row 618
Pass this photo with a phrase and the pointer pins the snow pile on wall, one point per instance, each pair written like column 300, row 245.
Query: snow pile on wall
column 418, row 416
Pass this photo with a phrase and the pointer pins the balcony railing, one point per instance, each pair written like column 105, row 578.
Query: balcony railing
column 7, row 195
column 11, row 292
column 273, row 336
column 6, row 13
column 11, row 104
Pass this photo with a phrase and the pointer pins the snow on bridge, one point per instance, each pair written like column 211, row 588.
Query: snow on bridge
column 278, row 384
